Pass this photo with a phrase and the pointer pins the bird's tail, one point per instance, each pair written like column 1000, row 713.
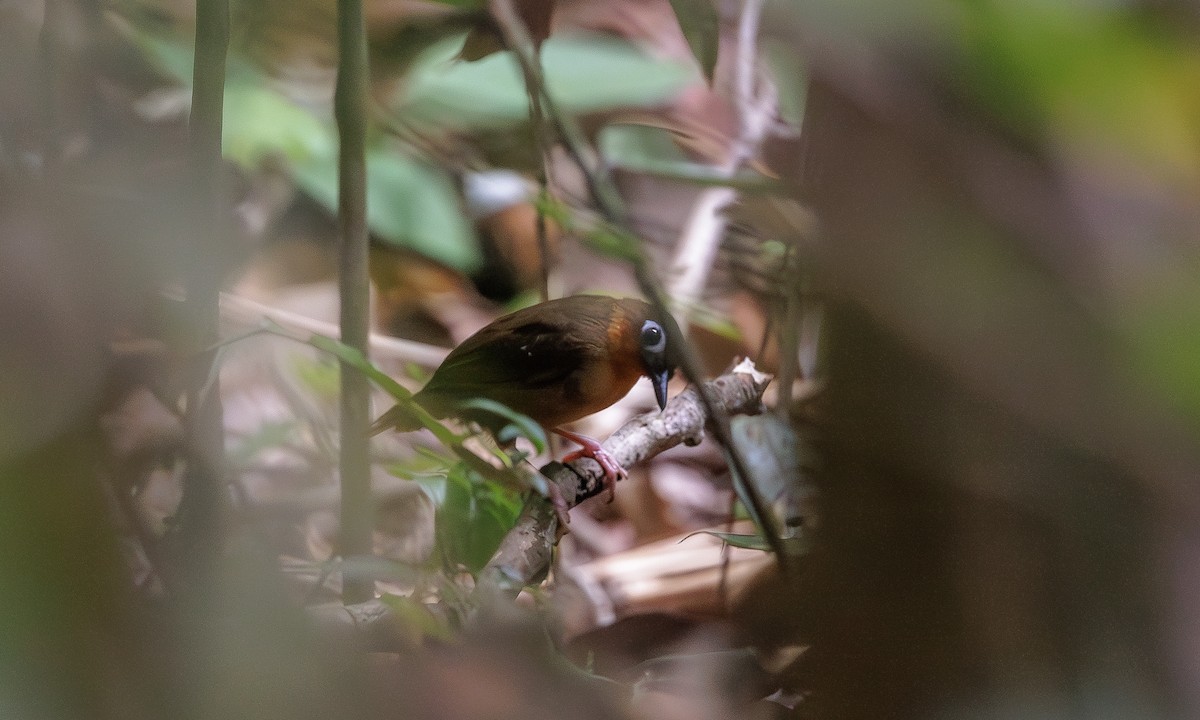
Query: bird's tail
column 398, row 418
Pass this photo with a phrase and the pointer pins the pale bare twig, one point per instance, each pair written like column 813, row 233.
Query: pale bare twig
column 244, row 311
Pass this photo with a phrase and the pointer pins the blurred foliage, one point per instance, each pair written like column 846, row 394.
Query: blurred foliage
column 1099, row 99
column 700, row 23
column 1096, row 77
column 655, row 151
column 410, row 203
column 583, row 74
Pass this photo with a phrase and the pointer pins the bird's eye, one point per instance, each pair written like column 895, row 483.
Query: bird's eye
column 653, row 340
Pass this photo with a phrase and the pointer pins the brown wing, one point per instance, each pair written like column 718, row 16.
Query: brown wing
column 522, row 359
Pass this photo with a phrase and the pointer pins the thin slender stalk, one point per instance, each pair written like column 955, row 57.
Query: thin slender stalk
column 350, row 109
column 538, row 119
column 789, row 348
column 200, row 509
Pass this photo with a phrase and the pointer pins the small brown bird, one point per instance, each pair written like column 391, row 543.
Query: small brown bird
column 555, row 362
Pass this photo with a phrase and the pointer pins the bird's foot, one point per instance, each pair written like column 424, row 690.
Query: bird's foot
column 592, row 449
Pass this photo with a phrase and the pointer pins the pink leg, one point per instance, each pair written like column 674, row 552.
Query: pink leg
column 591, row 449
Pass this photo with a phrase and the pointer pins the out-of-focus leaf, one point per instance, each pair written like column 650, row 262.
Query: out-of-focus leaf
column 260, row 123
column 434, row 486
column 582, row 74
column 1162, row 333
column 321, row 376
column 172, row 56
column 408, row 203
column 791, row 78
column 1093, row 76
column 792, row 546
column 700, row 24
column 613, row 242
column 468, row 4
column 650, row 150
column 635, row 147
column 772, row 451
column 416, row 618
column 269, row 435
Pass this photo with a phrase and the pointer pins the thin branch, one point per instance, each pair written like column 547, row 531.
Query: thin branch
column 525, row 552
column 351, row 102
column 542, row 139
column 701, row 238
column 244, row 311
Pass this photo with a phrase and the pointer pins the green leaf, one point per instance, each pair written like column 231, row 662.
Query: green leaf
column 409, row 203
column 791, row 78
column 652, row 151
column 700, row 24
column 614, row 242
column 524, row 424
column 260, row 123
column 417, row 619
column 582, row 74
column 320, row 375
column 473, row 519
column 792, row 546
column 268, row 435
column 434, row 486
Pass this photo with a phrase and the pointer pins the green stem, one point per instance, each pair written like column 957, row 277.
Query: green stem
column 350, row 109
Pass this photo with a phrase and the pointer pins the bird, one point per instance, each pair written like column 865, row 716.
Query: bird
column 555, row 362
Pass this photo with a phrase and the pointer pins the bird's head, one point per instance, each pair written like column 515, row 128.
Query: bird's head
column 658, row 339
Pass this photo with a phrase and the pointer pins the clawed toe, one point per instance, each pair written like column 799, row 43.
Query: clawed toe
column 592, row 449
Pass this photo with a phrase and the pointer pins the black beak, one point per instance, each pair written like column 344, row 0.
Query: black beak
column 660, row 379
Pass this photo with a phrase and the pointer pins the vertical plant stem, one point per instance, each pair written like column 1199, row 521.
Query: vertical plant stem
column 537, row 119
column 200, row 509
column 350, row 109
column 791, row 314
column 543, row 144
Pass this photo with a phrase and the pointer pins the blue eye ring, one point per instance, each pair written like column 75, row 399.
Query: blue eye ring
column 653, row 339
